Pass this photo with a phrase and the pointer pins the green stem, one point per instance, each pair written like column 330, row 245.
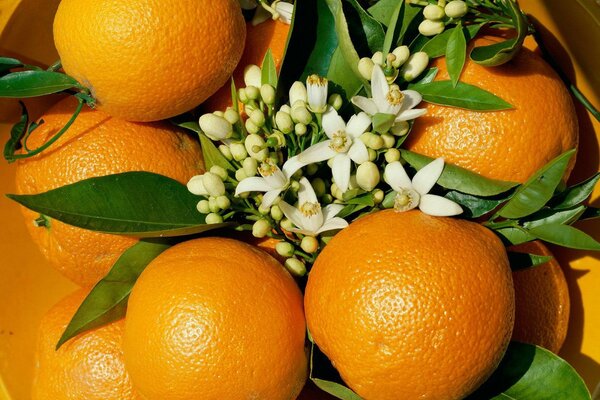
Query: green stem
column 56, row 66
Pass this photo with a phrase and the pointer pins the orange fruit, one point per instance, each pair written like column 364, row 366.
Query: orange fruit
column 409, row 306
column 96, row 145
column 87, row 367
column 508, row 145
column 266, row 244
column 150, row 60
column 271, row 34
column 541, row 301
column 218, row 319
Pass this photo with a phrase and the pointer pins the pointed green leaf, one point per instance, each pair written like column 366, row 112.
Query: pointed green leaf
column 212, row 155
column 382, row 10
column 437, row 46
column 383, row 122
column 460, row 179
column 391, row 33
column 476, row 206
column 456, row 53
column 549, row 216
column 566, row 236
column 528, row 372
column 7, row 63
column 428, row 76
column 519, row 261
column 366, row 32
column 35, row 83
column 193, row 126
column 514, row 235
column 107, row 301
column 462, row 95
column 576, row 194
column 141, row 204
column 538, row 190
column 269, row 70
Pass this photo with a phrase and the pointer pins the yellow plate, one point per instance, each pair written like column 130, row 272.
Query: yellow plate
column 28, row 286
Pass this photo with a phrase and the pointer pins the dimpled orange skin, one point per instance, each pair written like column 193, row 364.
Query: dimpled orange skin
column 87, row 367
column 508, row 145
column 216, row 318
column 542, row 302
column 409, row 306
column 147, row 60
column 96, row 145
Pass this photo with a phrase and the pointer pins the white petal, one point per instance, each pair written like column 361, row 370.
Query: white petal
column 252, row 184
column 427, row 176
column 292, row 213
column 196, row 186
column 333, row 224
column 439, row 206
column 317, row 153
column 379, row 89
column 331, row 211
column 306, row 194
column 358, row 152
column 411, row 99
column 396, row 176
column 410, row 114
column 332, row 122
column 358, row 124
column 277, row 180
column 269, row 198
column 291, row 166
column 365, row 104
column 285, row 11
column 314, row 222
column 341, row 171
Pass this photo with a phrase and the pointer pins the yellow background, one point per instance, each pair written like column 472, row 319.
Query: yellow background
column 28, row 286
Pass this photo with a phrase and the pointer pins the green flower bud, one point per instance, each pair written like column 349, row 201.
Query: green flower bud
column 378, row 196
column 213, row 218
column 312, row 169
column 372, row 154
column 267, row 93
column 252, row 92
column 256, row 147
column 415, row 66
column 231, row 116
column 224, row 149
column 285, row 249
column 243, row 96
column 219, row 113
column 400, row 128
column 276, row 140
column 213, row 184
column 212, row 204
column 367, row 176
column 388, row 140
column 365, row 67
column 286, row 109
column 264, row 210
column 392, row 155
column 295, row 267
column 456, row 9
column 309, row 244
column 252, row 75
column 258, row 118
column 295, row 186
column 366, row 137
column 300, row 129
column 261, row 228
column 431, row 28
column 203, row 206
column 335, row 101
column 219, row 171
column 223, row 202
column 375, row 142
column 302, row 115
column 402, row 53
column 336, row 192
column 286, row 224
column 298, row 93
column 377, row 58
column 238, row 151
column 240, row 175
column 250, row 166
column 215, row 127
column 284, row 122
column 251, row 127
column 327, row 198
column 276, row 213
column 433, row 12
column 319, row 186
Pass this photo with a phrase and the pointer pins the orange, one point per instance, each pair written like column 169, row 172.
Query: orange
column 271, row 34
column 266, row 244
column 216, row 318
column 87, row 367
column 541, row 301
column 409, row 306
column 148, row 60
column 508, row 145
column 96, row 145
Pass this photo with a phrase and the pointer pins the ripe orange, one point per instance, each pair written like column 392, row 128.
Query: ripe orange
column 216, row 318
column 409, row 306
column 267, row 35
column 87, row 367
column 96, row 145
column 149, row 60
column 541, row 301
column 509, row 145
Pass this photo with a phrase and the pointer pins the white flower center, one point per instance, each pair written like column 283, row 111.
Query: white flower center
column 340, row 142
column 267, row 168
column 316, row 80
column 394, row 96
column 309, row 208
column 406, row 199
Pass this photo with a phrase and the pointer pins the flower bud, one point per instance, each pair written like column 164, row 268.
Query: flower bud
column 219, row 171
column 286, row 108
column 335, row 101
column 213, row 184
column 196, row 186
column 301, row 114
column 400, row 128
column 243, row 96
column 267, row 93
column 402, row 53
column 372, row 154
column 215, row 127
column 252, row 92
column 415, row 66
column 309, row 244
column 264, row 210
column 213, row 218
column 223, row 202
column 295, row 267
column 365, row 67
column 366, row 137
column 258, row 118
column 375, row 142
column 367, row 176
column 248, row 108
column 224, row 149
column 284, row 122
column 203, row 206
column 240, row 175
column 327, row 199
column 251, row 127
column 250, row 166
column 252, row 76
column 294, row 186
column 392, row 155
column 433, row 12
column 378, row 196
column 456, row 9
column 286, row 224
column 231, row 116
column 298, row 93
column 431, row 28
column 311, row 169
column 336, row 191
column 261, row 228
column 388, row 140
column 300, row 129
column 238, row 151
column 212, row 205
column 377, row 58
column 316, row 87
column 256, row 147
column 219, row 113
column 276, row 213
column 285, row 249
column 319, row 186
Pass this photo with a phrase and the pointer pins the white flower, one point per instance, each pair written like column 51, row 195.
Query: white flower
column 277, row 10
column 273, row 181
column 316, row 87
column 389, row 99
column 309, row 217
column 411, row 194
column 342, row 146
column 285, row 11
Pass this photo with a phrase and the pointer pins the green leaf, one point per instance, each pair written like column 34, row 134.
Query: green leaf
column 341, row 75
column 460, row 179
column 35, row 83
column 7, row 63
column 475, row 206
column 107, row 301
column 528, row 372
column 325, row 45
column 538, row 190
column 193, row 126
column 566, row 236
column 141, row 204
column 212, row 155
column 365, row 200
column 412, row 17
column 576, row 194
column 366, row 32
column 462, row 95
column 391, row 35
column 520, row 261
column 428, row 76
column 383, row 122
column 549, row 216
column 382, row 10
column 325, row 376
column 514, row 235
column 456, row 53
column 437, row 46
column 17, row 133
column 269, row 70
column 336, row 389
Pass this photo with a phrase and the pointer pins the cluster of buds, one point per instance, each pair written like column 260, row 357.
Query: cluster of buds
column 398, row 62
column 437, row 16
